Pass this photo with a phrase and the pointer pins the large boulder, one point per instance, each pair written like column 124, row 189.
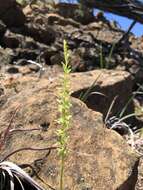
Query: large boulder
column 110, row 83
column 98, row 88
column 98, row 158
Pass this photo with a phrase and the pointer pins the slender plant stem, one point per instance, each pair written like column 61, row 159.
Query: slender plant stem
column 62, row 172
column 110, row 56
column 110, row 108
column 28, row 148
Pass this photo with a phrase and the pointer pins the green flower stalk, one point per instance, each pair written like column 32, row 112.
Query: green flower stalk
column 64, row 106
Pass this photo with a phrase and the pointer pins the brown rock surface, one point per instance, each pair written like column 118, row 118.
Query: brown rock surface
column 98, row 158
column 109, row 82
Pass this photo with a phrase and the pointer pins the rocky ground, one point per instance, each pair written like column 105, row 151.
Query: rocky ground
column 31, row 53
